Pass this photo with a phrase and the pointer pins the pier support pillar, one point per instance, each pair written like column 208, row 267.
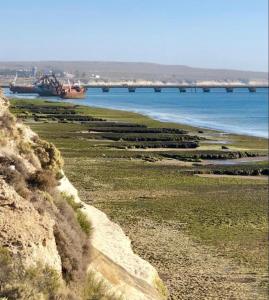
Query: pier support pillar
column 182, row 90
column 105, row 89
column 252, row 89
column 131, row 89
column 157, row 89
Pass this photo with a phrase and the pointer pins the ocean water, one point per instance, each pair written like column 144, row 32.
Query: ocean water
column 238, row 112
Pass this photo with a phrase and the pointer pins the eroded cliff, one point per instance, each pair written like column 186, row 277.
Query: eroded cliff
column 52, row 244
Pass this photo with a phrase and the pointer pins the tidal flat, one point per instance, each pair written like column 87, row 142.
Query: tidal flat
column 207, row 236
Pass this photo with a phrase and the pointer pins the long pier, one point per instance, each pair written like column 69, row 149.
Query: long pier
column 182, row 88
column 229, row 88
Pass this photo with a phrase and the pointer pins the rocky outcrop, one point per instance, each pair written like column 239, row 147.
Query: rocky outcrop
column 27, row 230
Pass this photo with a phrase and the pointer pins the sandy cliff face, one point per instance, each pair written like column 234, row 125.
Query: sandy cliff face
column 25, row 232
column 28, row 232
column 113, row 259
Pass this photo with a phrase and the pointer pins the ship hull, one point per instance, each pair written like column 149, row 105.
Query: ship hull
column 23, row 89
column 47, row 92
column 73, row 93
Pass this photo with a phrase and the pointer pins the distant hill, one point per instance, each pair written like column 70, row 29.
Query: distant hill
column 137, row 70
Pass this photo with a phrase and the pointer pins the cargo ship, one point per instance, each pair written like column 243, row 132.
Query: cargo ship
column 22, row 89
column 49, row 85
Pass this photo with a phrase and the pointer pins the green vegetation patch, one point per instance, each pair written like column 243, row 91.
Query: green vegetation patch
column 227, row 214
column 82, row 219
column 147, row 137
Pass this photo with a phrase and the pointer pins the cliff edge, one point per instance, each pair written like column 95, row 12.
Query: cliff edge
column 52, row 245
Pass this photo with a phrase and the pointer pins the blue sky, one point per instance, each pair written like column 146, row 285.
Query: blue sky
column 200, row 33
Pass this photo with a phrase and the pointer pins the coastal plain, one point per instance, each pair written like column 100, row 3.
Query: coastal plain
column 203, row 224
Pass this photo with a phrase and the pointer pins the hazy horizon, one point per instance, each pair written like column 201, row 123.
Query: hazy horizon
column 226, row 34
column 126, row 62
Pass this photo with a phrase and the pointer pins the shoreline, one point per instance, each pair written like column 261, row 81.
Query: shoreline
column 190, row 127
column 186, row 123
column 216, row 133
column 181, row 118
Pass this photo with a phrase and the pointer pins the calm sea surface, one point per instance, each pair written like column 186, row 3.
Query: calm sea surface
column 238, row 112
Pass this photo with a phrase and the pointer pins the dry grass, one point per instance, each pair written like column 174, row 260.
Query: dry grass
column 7, row 121
column 96, row 289
column 81, row 217
column 49, row 156
column 43, row 180
column 15, row 178
column 16, row 282
column 72, row 243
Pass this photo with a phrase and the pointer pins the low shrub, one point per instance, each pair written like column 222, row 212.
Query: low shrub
column 72, row 243
column 19, row 166
column 17, row 282
column 81, row 217
column 71, row 201
column 84, row 222
column 161, row 288
column 49, row 157
column 45, row 280
column 96, row 289
column 6, row 266
column 15, row 179
column 7, row 121
column 43, row 179
column 24, row 147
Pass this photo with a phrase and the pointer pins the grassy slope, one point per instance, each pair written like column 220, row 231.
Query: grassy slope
column 227, row 214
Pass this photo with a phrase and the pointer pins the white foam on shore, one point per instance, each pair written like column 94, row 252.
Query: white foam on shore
column 193, row 121
column 189, row 120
